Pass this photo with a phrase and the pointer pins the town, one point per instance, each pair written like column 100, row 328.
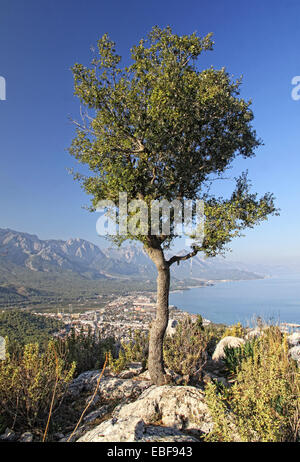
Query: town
column 118, row 318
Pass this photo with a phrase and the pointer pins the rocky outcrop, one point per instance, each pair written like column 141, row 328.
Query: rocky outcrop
column 131, row 429
column 182, row 407
column 174, row 409
column 123, row 387
column 229, row 342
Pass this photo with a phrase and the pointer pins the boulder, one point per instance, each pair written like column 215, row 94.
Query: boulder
column 294, row 339
column 181, row 407
column 111, row 387
column 171, row 327
column 116, row 430
column 295, row 353
column 230, row 342
column 133, row 429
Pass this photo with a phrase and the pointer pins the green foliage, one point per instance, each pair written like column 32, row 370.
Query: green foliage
column 184, row 351
column 159, row 129
column 235, row 355
column 22, row 327
column 237, row 330
column 214, row 333
column 85, row 349
column 27, row 381
column 134, row 350
column 264, row 402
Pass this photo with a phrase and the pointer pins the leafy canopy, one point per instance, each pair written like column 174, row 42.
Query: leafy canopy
column 159, row 128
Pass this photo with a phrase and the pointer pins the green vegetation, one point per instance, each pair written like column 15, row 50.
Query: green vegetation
column 86, row 350
column 185, row 350
column 28, row 380
column 22, row 327
column 235, row 355
column 263, row 404
column 134, row 350
column 260, row 403
column 237, row 330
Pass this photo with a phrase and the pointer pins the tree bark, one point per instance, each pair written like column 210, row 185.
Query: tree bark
column 159, row 325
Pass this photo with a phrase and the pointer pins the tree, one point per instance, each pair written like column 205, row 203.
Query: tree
column 161, row 129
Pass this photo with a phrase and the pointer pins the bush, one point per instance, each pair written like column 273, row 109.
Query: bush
column 235, row 355
column 134, row 350
column 184, row 351
column 237, row 330
column 86, row 349
column 264, row 401
column 27, row 381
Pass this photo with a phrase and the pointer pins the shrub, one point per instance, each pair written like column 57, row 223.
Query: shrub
column 134, row 350
column 235, row 355
column 264, row 401
column 86, row 349
column 214, row 333
column 27, row 381
column 184, row 351
column 237, row 330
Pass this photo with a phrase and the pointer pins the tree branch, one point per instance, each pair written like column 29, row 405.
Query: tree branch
column 178, row 258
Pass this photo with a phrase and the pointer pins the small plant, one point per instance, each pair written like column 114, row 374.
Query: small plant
column 237, row 330
column 235, row 355
column 86, row 349
column 27, row 381
column 185, row 350
column 136, row 350
column 264, row 401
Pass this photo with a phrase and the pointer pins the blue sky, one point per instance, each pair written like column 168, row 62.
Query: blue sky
column 39, row 42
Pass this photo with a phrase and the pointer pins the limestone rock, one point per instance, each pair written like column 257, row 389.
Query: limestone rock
column 157, row 433
column 111, row 387
column 116, row 430
column 226, row 342
column 181, row 407
column 294, row 339
column 92, row 416
column 132, row 370
column 295, row 353
column 132, row 429
column 171, row 327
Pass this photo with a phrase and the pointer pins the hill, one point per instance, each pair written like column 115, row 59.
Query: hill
column 41, row 271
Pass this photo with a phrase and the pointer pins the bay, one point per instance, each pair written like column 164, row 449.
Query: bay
column 274, row 299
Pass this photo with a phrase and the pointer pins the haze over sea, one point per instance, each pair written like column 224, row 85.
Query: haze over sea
column 275, row 298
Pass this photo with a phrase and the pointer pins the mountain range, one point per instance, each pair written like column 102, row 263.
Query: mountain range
column 30, row 264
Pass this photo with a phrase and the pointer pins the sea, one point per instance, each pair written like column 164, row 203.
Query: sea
column 274, row 299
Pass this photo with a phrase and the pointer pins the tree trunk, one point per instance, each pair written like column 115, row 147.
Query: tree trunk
column 159, row 325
